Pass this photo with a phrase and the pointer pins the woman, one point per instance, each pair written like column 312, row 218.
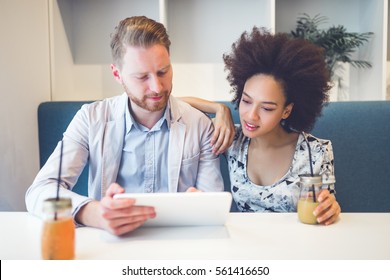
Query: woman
column 280, row 85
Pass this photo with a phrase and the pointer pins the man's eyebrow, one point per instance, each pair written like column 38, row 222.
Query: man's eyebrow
column 165, row 68
column 145, row 73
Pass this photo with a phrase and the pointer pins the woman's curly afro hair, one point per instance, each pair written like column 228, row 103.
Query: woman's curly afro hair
column 297, row 64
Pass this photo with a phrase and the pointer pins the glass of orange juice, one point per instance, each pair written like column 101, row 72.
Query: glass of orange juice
column 58, row 233
column 310, row 187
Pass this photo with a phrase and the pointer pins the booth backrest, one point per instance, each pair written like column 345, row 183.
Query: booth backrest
column 359, row 131
column 53, row 119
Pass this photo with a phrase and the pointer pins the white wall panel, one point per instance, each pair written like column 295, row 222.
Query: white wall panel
column 24, row 83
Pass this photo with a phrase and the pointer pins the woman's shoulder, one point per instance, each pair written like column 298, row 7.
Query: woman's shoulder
column 317, row 145
column 239, row 137
column 239, row 141
column 313, row 140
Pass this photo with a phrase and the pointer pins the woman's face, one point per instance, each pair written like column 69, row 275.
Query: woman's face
column 262, row 106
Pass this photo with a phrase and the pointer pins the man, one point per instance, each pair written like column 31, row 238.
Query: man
column 142, row 141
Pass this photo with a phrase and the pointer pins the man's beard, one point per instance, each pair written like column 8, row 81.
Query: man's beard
column 144, row 104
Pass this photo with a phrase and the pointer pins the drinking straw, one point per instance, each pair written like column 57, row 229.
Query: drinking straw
column 59, row 178
column 311, row 168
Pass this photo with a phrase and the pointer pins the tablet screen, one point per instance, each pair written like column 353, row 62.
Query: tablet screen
column 185, row 209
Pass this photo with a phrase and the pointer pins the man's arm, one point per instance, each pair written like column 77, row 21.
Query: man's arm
column 74, row 158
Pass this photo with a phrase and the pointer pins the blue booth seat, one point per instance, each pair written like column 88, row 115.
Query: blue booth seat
column 359, row 131
column 53, row 119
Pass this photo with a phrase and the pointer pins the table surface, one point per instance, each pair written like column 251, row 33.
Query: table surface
column 268, row 236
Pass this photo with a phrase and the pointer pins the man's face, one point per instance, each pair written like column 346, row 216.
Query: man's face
column 146, row 76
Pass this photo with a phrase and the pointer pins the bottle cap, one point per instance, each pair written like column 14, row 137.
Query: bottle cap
column 54, row 204
column 329, row 179
column 308, row 179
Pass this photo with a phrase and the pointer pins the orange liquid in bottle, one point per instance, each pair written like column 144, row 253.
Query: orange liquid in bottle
column 58, row 239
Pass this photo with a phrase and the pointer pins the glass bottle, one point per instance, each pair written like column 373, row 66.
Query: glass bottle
column 310, row 187
column 328, row 182
column 58, row 233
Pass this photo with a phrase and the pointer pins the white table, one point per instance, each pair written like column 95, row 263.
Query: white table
column 246, row 236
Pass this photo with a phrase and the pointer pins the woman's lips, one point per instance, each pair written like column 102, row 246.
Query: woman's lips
column 250, row 127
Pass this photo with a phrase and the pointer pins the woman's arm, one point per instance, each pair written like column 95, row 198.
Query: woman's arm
column 204, row 105
column 223, row 122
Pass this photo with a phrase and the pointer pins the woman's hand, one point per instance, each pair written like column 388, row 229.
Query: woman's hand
column 328, row 209
column 224, row 130
column 223, row 122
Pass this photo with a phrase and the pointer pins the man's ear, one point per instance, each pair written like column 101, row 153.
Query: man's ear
column 117, row 75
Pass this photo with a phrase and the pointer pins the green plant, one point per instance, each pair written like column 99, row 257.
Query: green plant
column 339, row 45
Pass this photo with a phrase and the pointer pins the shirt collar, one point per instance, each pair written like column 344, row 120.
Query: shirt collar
column 164, row 120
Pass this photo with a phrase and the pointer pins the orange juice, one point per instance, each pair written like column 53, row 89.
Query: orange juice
column 305, row 210
column 310, row 187
column 58, row 232
column 58, row 240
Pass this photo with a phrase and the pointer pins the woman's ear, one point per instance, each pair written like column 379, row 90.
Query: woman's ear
column 287, row 110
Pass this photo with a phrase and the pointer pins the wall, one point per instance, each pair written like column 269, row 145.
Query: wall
column 388, row 58
column 362, row 16
column 81, row 54
column 388, row 81
column 200, row 31
column 24, row 83
column 37, row 67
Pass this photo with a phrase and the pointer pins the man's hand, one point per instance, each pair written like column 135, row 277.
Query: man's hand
column 117, row 216
column 192, row 189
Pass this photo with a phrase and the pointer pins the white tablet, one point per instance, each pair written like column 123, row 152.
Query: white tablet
column 185, row 209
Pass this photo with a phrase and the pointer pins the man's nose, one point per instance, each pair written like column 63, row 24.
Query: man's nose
column 155, row 84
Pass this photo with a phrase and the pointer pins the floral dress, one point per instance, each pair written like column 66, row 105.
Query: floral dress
column 282, row 196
